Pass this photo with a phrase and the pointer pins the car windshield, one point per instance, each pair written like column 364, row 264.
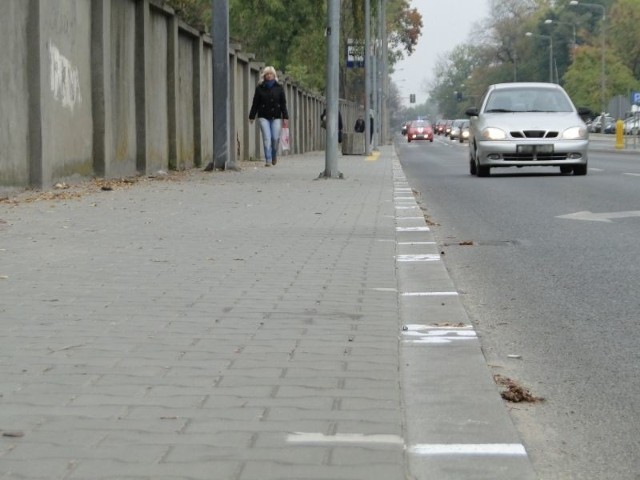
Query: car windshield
column 527, row 100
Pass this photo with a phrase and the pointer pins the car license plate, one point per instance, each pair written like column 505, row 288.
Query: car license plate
column 531, row 149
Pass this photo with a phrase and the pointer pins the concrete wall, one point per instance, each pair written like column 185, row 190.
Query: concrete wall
column 113, row 88
column 14, row 94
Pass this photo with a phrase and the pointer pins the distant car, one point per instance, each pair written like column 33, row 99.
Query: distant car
column 454, row 134
column 632, row 125
column 439, row 127
column 527, row 124
column 420, row 130
column 447, row 127
column 596, row 125
column 464, row 131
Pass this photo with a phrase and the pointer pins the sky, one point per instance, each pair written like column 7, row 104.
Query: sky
column 445, row 24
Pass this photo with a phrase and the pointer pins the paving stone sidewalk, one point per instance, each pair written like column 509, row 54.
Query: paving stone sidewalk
column 228, row 325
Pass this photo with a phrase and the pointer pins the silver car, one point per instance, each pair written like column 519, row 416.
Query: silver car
column 524, row 125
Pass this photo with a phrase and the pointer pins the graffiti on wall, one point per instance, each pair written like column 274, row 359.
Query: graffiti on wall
column 65, row 79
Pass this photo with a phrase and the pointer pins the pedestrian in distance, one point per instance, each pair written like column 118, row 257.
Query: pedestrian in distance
column 270, row 106
column 371, row 126
column 323, row 123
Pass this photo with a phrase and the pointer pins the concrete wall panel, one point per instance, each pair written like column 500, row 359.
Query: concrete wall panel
column 14, row 97
column 122, row 77
column 207, row 103
column 185, row 122
column 67, row 121
column 157, row 105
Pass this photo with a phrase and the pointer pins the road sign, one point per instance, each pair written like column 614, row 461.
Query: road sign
column 355, row 54
column 619, row 106
column 635, row 98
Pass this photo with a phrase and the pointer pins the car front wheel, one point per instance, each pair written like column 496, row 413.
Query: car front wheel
column 483, row 171
column 580, row 170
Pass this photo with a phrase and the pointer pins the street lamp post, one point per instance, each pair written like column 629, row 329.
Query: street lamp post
column 597, row 6
column 548, row 37
column 549, row 21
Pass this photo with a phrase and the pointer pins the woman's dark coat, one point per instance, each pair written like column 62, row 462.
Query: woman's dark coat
column 269, row 103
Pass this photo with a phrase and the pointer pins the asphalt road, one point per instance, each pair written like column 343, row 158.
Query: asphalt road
column 553, row 291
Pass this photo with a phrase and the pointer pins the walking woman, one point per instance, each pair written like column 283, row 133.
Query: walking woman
column 270, row 105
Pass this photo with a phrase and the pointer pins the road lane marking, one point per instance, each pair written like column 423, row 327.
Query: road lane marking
column 599, row 217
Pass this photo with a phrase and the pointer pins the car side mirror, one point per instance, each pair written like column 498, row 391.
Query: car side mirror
column 472, row 111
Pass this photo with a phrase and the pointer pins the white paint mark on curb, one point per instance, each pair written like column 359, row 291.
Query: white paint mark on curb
column 428, row 294
column 416, row 243
column 343, row 438
column 412, row 229
column 413, row 327
column 515, row 449
column 429, row 257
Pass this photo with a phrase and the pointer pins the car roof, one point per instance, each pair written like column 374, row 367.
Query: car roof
column 500, row 86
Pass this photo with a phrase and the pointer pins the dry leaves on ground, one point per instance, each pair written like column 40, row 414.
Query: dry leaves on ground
column 64, row 191
column 515, row 392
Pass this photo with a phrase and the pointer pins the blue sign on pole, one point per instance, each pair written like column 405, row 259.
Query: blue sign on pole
column 635, row 98
column 355, row 54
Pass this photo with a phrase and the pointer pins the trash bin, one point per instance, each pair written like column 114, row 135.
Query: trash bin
column 353, row 143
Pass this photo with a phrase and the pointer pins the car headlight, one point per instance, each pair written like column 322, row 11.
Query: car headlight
column 575, row 133
column 492, row 133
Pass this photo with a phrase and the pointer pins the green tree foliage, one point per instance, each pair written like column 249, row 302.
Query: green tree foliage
column 583, row 79
column 624, row 33
column 454, row 74
column 289, row 34
column 278, row 30
column 196, row 13
column 503, row 53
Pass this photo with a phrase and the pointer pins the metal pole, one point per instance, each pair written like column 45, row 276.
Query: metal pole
column 550, row 59
column 384, row 126
column 374, row 95
column 602, row 74
column 220, row 87
column 332, row 33
column 379, row 76
column 367, row 73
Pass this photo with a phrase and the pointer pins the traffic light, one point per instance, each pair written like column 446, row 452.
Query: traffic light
column 412, row 98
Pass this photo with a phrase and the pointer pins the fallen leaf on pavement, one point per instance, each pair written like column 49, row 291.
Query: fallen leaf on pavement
column 514, row 392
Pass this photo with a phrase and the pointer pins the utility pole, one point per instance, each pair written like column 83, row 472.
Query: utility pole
column 332, row 32
column 367, row 74
column 222, row 160
column 384, row 100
